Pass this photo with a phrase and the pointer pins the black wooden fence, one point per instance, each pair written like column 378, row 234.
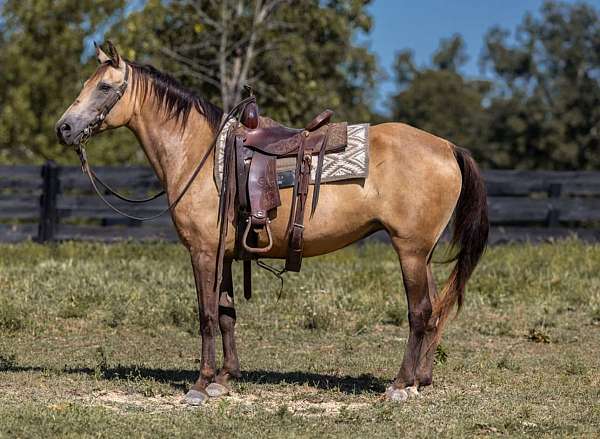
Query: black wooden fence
column 56, row 203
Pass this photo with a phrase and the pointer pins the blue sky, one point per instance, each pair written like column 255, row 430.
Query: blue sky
column 419, row 25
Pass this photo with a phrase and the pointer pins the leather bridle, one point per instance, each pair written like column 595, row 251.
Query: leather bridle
column 92, row 128
column 114, row 96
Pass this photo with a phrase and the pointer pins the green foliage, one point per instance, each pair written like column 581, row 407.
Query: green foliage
column 42, row 45
column 319, row 65
column 438, row 99
column 441, row 355
column 545, row 112
column 540, row 110
column 306, row 57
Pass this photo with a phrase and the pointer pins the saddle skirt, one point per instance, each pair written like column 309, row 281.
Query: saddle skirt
column 349, row 164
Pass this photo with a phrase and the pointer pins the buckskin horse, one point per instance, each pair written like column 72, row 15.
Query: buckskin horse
column 416, row 182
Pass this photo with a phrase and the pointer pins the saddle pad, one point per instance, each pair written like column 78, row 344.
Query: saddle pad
column 349, row 164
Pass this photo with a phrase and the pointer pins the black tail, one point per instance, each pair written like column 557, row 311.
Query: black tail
column 470, row 234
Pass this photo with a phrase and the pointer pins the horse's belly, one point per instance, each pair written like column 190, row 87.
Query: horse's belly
column 344, row 215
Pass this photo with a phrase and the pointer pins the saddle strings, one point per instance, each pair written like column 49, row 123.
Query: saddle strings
column 277, row 272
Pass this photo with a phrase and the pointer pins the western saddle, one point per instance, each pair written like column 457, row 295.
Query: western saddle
column 249, row 190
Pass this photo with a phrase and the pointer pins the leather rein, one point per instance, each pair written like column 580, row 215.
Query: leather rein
column 93, row 128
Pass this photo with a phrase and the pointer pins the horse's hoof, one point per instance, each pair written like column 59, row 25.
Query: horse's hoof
column 195, row 397
column 398, row 395
column 215, row 390
column 412, row 391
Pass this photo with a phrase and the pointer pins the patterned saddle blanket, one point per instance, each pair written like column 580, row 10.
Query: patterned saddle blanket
column 351, row 163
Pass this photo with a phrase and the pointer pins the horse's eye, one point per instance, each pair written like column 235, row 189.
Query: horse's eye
column 104, row 87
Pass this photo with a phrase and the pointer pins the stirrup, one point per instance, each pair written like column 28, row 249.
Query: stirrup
column 250, row 249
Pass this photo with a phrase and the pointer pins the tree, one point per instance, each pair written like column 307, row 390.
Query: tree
column 439, row 99
column 545, row 112
column 42, row 44
column 299, row 56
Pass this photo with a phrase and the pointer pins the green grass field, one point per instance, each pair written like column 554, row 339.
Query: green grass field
column 100, row 341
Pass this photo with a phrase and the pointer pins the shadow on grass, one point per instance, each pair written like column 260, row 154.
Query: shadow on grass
column 365, row 383
column 181, row 379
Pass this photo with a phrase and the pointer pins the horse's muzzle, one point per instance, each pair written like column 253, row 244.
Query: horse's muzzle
column 70, row 130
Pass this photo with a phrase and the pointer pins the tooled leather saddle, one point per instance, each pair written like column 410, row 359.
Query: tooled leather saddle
column 250, row 193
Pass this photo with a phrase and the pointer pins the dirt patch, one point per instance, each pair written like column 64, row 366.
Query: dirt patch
column 124, row 402
column 295, row 403
column 270, row 401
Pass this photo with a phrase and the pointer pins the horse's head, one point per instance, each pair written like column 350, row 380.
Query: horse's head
column 103, row 103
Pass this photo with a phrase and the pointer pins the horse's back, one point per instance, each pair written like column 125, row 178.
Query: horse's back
column 406, row 143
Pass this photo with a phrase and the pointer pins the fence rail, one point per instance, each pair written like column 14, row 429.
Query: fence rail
column 56, row 203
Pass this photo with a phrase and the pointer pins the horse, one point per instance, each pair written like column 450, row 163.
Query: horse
column 417, row 182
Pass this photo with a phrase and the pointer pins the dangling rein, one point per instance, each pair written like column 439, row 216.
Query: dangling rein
column 93, row 127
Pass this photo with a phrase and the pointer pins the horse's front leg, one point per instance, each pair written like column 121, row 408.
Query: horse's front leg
column 227, row 317
column 204, row 264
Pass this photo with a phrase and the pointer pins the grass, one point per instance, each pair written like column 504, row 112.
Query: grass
column 100, row 341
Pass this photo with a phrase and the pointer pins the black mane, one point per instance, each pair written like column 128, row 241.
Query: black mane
column 177, row 101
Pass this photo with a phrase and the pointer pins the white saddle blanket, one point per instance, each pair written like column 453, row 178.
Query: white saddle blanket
column 351, row 163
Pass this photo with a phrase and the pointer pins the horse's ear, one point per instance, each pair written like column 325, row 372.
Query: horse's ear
column 100, row 55
column 115, row 58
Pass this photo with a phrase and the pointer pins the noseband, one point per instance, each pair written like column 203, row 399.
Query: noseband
column 114, row 96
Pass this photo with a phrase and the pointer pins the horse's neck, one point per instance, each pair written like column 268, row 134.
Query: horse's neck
column 173, row 151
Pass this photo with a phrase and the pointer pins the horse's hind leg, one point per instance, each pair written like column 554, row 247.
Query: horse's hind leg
column 227, row 317
column 414, row 271
column 424, row 371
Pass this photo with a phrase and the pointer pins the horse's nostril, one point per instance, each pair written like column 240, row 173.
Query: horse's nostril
column 63, row 132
